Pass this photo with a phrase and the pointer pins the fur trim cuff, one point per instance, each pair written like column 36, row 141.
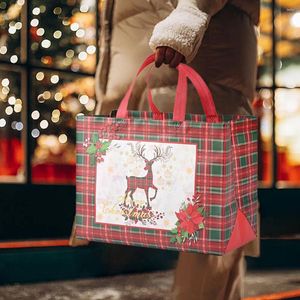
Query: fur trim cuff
column 182, row 30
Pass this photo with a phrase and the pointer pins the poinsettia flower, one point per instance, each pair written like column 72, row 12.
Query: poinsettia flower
column 189, row 219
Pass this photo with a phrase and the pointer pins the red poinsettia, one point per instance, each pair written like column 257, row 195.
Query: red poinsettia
column 189, row 219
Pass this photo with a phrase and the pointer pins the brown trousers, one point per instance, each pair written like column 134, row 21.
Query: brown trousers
column 208, row 277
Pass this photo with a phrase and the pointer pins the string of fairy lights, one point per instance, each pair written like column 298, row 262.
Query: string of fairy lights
column 62, row 35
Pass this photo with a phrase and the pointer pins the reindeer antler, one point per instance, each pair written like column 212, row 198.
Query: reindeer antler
column 139, row 150
column 160, row 154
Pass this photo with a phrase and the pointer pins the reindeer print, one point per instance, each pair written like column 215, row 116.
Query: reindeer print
column 146, row 182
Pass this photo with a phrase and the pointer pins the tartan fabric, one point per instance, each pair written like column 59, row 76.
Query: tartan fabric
column 226, row 174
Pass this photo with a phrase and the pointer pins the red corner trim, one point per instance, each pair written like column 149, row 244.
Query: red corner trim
column 242, row 232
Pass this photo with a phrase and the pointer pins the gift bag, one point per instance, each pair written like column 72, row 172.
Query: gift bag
column 172, row 181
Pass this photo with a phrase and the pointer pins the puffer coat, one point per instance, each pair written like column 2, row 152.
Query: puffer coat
column 226, row 58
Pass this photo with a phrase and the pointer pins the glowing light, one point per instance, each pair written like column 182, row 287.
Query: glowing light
column 80, row 33
column 35, row 133
column 20, row 2
column 5, row 82
column 67, row 61
column 19, row 126
column 70, row 53
column 35, row 115
column 82, row 55
column 58, row 96
column 12, row 30
column 295, row 20
column 56, row 113
column 54, row 79
column 36, row 11
column 91, row 49
column 13, row 124
column 40, row 32
column 3, row 50
column 9, row 110
column 19, row 101
column 2, row 122
column 46, row 43
column 54, row 119
column 57, row 10
column 74, row 26
column 18, row 25
column 44, row 124
column 66, row 22
column 13, row 59
column 84, row 99
column 34, row 46
column 12, row 100
column 5, row 90
column 40, row 76
column 84, row 8
column 40, row 98
column 46, row 95
column 43, row 8
column 57, row 34
column 62, row 138
column 18, row 108
column 90, row 105
column 34, row 22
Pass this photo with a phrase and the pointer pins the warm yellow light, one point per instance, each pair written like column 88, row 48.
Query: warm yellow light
column 295, row 20
column 58, row 96
column 9, row 110
column 46, row 95
column 63, row 138
column 40, row 76
column 18, row 108
column 57, row 34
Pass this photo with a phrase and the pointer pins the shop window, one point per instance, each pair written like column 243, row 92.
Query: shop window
column 47, row 62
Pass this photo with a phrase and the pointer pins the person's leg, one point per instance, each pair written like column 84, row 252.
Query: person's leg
column 208, row 277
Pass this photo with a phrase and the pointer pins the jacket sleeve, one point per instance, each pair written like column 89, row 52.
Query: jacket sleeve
column 184, row 28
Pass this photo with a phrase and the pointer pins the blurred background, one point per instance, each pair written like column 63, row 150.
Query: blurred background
column 48, row 55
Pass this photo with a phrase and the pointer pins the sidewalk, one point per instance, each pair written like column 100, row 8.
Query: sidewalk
column 148, row 286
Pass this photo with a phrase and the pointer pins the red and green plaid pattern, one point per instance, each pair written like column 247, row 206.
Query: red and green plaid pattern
column 226, row 176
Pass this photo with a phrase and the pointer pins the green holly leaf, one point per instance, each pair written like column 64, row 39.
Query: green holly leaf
column 185, row 234
column 201, row 226
column 95, row 137
column 105, row 146
column 91, row 149
column 174, row 231
column 201, row 210
column 173, row 240
column 178, row 239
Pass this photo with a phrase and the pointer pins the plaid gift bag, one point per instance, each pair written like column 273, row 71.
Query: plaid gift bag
column 168, row 180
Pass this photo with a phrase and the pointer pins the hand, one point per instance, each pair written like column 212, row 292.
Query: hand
column 168, row 56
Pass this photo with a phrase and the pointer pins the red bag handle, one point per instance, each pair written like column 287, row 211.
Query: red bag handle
column 181, row 93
